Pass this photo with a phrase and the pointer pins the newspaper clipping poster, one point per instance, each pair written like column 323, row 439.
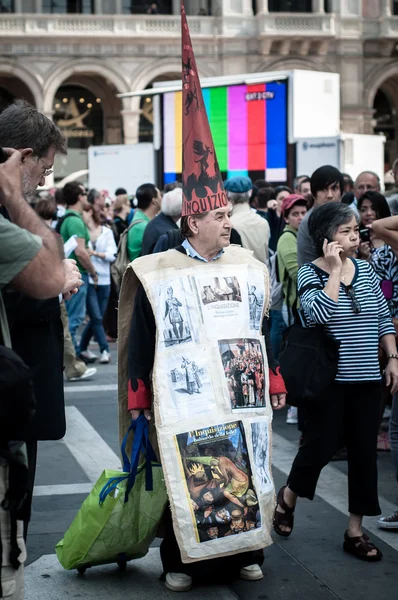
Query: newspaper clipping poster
column 175, row 303
column 243, row 365
column 219, row 481
column 259, row 431
column 190, row 383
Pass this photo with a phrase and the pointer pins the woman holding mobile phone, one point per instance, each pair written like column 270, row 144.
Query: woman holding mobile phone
column 342, row 294
column 371, row 206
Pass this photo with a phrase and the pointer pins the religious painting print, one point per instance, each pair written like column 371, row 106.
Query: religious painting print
column 243, row 365
column 260, row 442
column 190, row 383
column 219, row 481
column 255, row 292
column 175, row 303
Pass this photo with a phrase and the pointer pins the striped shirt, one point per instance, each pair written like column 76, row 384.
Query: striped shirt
column 385, row 264
column 359, row 334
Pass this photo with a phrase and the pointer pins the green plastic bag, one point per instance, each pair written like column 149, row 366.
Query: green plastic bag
column 119, row 519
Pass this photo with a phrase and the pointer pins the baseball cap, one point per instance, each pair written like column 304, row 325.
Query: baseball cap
column 291, row 200
column 238, row 185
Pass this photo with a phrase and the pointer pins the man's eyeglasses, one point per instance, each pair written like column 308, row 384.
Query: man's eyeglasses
column 46, row 170
column 355, row 305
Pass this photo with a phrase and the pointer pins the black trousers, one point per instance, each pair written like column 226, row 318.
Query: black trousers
column 346, row 414
column 215, row 570
column 31, row 450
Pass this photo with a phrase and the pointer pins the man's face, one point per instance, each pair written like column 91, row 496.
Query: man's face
column 296, row 215
column 331, row 193
column 214, row 229
column 366, row 182
column 208, row 497
column 395, row 173
column 305, row 190
column 212, row 532
column 83, row 198
column 35, row 170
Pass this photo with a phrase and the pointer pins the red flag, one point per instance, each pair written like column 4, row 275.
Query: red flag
column 202, row 185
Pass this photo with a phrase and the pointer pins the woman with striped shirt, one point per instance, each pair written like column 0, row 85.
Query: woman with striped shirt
column 343, row 294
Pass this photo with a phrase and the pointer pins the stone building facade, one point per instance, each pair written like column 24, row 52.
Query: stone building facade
column 81, row 53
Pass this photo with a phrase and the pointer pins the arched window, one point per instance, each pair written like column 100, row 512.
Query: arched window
column 6, row 6
column 65, row 7
column 151, row 7
column 290, row 6
column 385, row 123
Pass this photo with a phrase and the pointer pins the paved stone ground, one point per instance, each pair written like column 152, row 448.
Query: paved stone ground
column 310, row 565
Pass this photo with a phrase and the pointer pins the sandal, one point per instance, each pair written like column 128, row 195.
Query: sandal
column 285, row 519
column 360, row 546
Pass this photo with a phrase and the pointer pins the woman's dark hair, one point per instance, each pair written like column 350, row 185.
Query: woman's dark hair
column 325, row 176
column 325, row 220
column 264, row 195
column 46, row 208
column 282, row 188
column 379, row 204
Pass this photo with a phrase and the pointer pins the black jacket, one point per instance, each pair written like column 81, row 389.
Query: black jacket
column 158, row 226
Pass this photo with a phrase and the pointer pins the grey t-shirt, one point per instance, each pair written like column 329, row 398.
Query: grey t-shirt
column 306, row 252
column 17, row 248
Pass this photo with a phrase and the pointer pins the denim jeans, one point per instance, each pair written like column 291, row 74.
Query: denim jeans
column 76, row 308
column 394, row 433
column 277, row 327
column 97, row 302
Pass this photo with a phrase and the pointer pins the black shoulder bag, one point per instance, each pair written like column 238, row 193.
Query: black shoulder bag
column 17, row 399
column 309, row 358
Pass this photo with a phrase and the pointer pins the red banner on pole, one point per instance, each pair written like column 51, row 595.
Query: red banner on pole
column 202, row 185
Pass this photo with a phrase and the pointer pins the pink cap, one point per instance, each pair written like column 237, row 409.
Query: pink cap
column 291, row 200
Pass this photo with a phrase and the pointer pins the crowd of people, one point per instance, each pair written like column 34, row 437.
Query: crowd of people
column 331, row 245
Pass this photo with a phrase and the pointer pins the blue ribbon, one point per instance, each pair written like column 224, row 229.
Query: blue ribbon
column 141, row 444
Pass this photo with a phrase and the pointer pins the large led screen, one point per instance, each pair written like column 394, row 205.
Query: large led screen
column 249, row 128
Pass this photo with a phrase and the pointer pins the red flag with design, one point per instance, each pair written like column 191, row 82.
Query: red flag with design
column 202, row 185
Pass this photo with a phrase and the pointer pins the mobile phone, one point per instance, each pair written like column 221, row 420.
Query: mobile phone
column 364, row 234
column 3, row 156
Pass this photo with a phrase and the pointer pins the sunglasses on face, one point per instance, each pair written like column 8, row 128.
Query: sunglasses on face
column 355, row 305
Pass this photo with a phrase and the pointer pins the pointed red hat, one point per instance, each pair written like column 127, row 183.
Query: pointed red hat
column 202, row 185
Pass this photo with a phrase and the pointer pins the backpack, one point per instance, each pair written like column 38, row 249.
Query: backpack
column 122, row 259
column 276, row 283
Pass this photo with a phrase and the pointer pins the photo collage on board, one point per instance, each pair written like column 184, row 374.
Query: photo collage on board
column 219, row 481
column 243, row 365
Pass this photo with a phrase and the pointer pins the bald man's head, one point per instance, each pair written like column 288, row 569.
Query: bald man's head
column 367, row 181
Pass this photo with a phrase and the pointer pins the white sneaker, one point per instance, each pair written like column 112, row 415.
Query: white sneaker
column 105, row 357
column 390, row 522
column 178, row 582
column 86, row 375
column 251, row 573
column 292, row 417
column 88, row 356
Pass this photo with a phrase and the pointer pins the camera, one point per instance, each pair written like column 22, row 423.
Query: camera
column 364, row 234
column 3, row 156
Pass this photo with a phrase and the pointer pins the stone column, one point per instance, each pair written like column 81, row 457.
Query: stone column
column 98, row 7
column 386, row 8
column 118, row 7
column 176, row 7
column 39, row 6
column 18, row 8
column 131, row 125
column 318, row 6
column 262, row 6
